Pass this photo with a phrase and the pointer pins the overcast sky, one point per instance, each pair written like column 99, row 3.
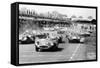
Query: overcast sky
column 69, row 11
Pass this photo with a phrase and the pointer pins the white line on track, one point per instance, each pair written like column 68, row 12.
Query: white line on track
column 73, row 54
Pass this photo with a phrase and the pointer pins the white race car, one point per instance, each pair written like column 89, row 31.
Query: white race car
column 43, row 42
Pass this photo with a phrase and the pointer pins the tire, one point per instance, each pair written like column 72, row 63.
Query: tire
column 19, row 42
column 70, row 41
column 39, row 50
column 55, row 46
column 60, row 40
column 36, row 48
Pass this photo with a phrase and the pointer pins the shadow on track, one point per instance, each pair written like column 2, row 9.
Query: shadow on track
column 53, row 50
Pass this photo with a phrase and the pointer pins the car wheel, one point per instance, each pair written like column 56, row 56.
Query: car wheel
column 19, row 42
column 37, row 49
column 55, row 46
column 60, row 40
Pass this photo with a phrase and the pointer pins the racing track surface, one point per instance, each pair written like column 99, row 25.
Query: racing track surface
column 65, row 52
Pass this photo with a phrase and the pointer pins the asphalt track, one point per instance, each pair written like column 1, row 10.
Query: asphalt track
column 65, row 52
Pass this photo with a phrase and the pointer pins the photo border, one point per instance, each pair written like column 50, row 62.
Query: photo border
column 57, row 5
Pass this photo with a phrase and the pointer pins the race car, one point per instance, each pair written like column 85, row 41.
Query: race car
column 26, row 39
column 44, row 42
column 85, row 34
column 76, row 39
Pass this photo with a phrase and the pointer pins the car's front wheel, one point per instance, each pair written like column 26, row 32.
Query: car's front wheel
column 55, row 46
column 38, row 49
column 60, row 40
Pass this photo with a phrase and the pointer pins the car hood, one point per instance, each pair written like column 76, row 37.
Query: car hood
column 74, row 37
column 45, row 41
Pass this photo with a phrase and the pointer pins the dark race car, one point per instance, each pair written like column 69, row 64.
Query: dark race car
column 76, row 39
column 26, row 39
